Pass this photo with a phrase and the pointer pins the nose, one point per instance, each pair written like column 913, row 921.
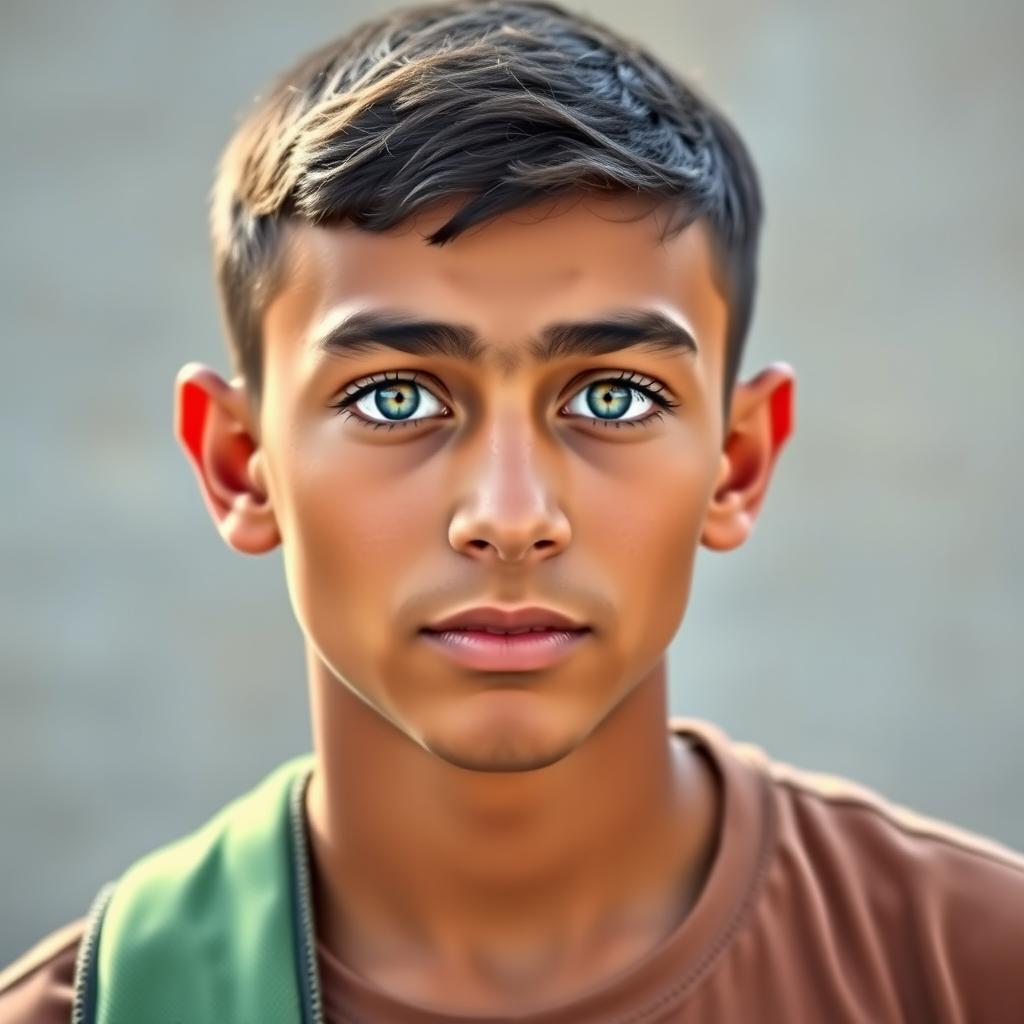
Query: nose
column 511, row 510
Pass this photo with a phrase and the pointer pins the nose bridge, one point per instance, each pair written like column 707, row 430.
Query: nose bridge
column 511, row 480
column 509, row 494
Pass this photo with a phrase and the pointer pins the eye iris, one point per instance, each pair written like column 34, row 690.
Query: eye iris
column 401, row 399
column 613, row 401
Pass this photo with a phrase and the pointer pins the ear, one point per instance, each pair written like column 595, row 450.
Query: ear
column 213, row 424
column 760, row 422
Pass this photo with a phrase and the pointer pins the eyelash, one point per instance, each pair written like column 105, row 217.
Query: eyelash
column 372, row 383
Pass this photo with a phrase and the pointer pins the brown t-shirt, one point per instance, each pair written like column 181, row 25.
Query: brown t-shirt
column 825, row 903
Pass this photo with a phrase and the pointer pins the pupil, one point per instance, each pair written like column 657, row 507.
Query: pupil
column 613, row 398
column 394, row 399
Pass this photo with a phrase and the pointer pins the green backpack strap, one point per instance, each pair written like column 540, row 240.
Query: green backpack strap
column 216, row 926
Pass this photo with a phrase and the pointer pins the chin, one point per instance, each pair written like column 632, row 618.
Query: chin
column 505, row 734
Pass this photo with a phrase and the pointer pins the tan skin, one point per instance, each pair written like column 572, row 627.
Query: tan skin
column 493, row 842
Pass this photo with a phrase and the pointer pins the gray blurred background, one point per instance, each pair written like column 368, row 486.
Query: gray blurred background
column 870, row 626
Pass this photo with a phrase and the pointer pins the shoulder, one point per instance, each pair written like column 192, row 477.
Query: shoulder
column 39, row 986
column 875, row 825
column 951, row 896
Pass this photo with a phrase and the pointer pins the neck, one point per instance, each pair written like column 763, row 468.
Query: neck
column 487, row 878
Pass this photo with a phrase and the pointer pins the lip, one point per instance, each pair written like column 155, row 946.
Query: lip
column 494, row 617
column 492, row 652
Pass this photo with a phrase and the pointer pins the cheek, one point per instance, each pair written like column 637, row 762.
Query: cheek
column 350, row 533
column 645, row 535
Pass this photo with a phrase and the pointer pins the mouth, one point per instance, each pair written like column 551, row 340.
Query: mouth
column 493, row 639
column 494, row 650
column 507, row 621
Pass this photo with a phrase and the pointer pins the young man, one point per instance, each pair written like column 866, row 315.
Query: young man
column 486, row 271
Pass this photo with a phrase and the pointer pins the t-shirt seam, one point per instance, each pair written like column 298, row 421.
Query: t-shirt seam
column 860, row 803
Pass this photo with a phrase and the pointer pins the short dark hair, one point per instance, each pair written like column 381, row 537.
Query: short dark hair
column 503, row 102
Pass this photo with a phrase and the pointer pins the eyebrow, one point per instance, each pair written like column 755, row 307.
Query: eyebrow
column 368, row 330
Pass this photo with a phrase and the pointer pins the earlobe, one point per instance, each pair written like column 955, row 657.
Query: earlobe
column 213, row 425
column 760, row 423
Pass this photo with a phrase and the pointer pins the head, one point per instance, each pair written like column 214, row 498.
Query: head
column 486, row 270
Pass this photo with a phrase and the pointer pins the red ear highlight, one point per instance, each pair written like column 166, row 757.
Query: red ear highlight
column 782, row 414
column 193, row 413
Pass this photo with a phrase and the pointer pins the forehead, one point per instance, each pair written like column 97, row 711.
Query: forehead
column 506, row 279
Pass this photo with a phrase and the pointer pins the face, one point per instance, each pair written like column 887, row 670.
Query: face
column 577, row 479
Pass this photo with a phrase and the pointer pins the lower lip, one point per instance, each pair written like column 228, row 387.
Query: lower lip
column 509, row 652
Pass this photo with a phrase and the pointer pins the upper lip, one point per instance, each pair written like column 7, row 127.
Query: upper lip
column 506, row 618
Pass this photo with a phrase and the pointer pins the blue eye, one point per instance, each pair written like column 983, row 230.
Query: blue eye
column 606, row 399
column 395, row 396
column 397, row 399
